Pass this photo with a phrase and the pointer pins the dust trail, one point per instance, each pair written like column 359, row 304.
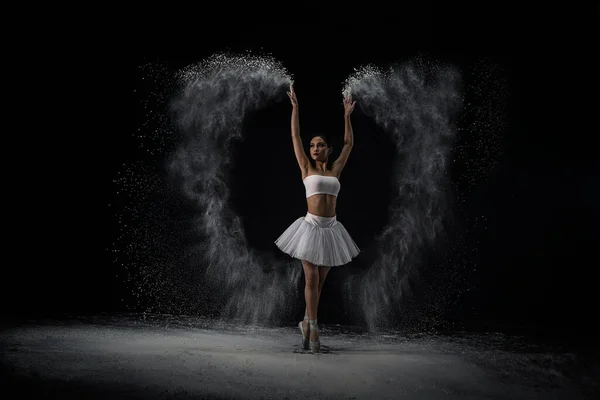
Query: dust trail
column 215, row 97
column 416, row 103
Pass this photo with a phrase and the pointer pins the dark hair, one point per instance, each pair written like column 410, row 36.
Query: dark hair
column 324, row 137
column 327, row 142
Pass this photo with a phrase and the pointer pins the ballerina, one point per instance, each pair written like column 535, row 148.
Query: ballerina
column 318, row 239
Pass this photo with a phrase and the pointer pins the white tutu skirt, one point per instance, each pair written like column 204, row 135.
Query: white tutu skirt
column 320, row 240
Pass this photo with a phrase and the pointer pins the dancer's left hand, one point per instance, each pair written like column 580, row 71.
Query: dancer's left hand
column 348, row 105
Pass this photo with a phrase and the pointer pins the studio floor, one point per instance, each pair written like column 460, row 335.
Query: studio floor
column 171, row 357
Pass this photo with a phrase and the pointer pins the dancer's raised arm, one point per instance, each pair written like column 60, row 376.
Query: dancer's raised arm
column 296, row 140
column 339, row 164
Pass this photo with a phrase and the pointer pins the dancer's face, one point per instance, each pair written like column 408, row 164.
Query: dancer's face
column 318, row 149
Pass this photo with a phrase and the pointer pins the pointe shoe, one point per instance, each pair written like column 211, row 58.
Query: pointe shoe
column 315, row 346
column 305, row 336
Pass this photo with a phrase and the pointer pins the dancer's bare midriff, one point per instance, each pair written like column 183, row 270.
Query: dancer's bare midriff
column 322, row 205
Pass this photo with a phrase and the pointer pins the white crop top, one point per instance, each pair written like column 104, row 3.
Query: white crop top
column 319, row 184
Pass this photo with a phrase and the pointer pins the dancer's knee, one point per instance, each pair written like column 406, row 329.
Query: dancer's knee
column 323, row 270
column 311, row 274
column 312, row 281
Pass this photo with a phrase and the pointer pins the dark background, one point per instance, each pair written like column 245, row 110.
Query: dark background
column 536, row 254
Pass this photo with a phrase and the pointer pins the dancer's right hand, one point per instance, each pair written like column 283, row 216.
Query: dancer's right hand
column 292, row 96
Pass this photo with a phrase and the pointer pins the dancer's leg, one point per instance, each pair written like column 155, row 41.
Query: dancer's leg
column 323, row 270
column 311, row 291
